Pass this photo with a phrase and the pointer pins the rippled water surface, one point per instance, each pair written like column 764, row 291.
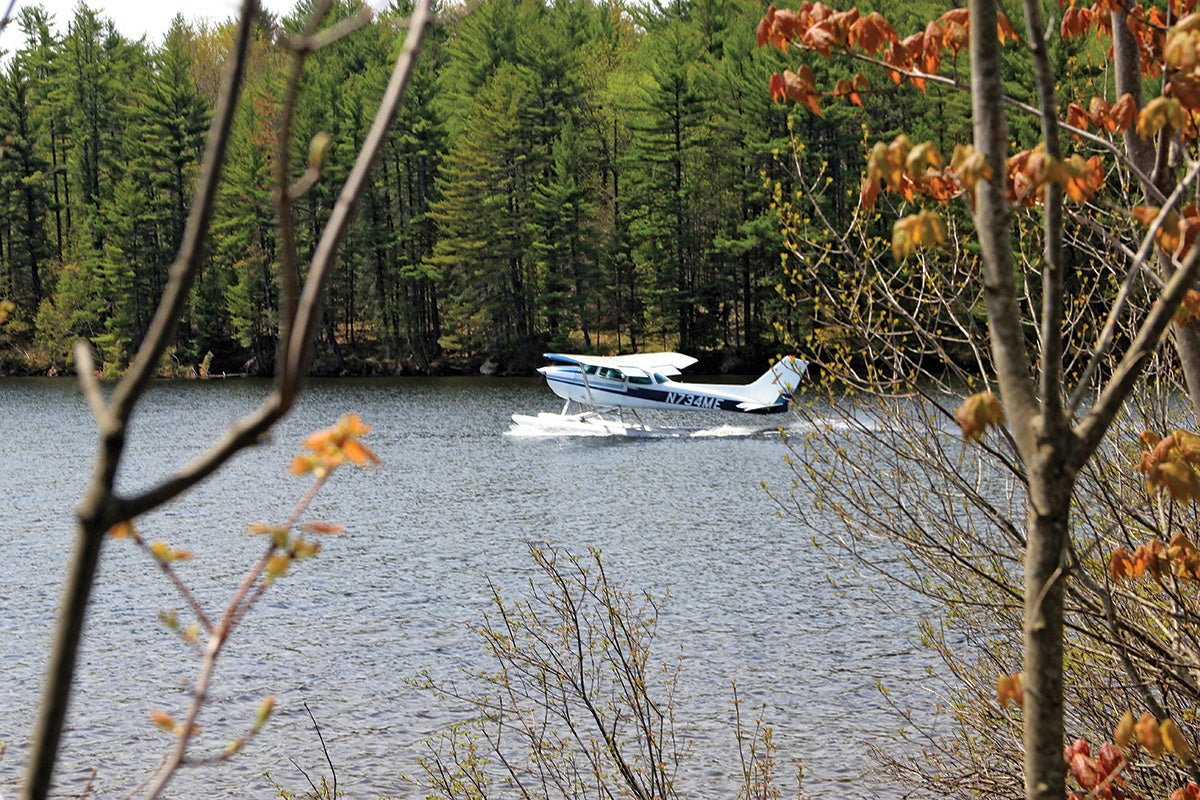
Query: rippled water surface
column 453, row 506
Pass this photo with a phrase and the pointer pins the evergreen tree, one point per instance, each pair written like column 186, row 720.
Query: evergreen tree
column 24, row 180
column 482, row 213
column 564, row 247
column 665, row 121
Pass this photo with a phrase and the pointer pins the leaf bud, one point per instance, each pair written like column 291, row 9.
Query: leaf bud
column 317, row 149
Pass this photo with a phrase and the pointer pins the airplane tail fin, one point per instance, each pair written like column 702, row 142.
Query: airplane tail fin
column 778, row 382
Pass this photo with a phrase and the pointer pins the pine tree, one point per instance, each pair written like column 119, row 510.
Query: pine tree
column 24, row 177
column 665, row 120
column 483, row 217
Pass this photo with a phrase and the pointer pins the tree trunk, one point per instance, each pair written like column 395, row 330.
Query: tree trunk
column 1043, row 439
column 1050, row 489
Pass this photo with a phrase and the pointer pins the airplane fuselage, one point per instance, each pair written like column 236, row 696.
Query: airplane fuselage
column 592, row 386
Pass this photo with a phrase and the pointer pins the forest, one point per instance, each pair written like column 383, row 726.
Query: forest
column 587, row 175
column 958, row 208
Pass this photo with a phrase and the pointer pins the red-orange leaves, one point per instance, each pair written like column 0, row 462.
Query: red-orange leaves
column 1030, row 170
column 799, row 86
column 1010, row 689
column 1100, row 776
column 814, row 26
column 923, row 229
column 1175, row 234
column 1080, row 178
column 1189, row 308
column 1189, row 792
column 819, row 29
column 977, row 413
column 1149, row 558
column 778, row 27
column 335, row 446
column 1005, row 31
column 872, row 32
column 852, row 88
column 969, row 167
column 1075, row 22
column 1170, row 464
column 1100, row 114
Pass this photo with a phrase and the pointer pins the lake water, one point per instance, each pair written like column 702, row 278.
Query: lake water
column 453, row 506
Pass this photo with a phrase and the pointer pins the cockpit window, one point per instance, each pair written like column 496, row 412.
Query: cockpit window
column 660, row 378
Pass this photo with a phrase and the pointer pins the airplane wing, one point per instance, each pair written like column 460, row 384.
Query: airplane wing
column 665, row 363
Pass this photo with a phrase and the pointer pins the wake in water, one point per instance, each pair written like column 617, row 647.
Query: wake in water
column 550, row 425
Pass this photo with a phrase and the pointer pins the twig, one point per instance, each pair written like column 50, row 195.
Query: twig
column 324, row 749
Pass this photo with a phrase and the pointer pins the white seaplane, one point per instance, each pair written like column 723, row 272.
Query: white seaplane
column 602, row 385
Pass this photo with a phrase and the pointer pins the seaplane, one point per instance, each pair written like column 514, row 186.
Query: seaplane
column 600, row 386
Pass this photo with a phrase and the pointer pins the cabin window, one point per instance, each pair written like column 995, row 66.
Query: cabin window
column 645, row 379
column 612, row 374
column 590, row 369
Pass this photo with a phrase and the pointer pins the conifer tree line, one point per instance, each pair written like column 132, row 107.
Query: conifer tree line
column 583, row 175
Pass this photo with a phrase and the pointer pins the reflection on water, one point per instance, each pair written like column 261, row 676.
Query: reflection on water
column 454, row 504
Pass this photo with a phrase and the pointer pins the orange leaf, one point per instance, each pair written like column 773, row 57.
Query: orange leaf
column 872, row 31
column 1077, row 117
column 1189, row 308
column 359, row 453
column 163, row 720
column 1149, row 734
column 762, row 33
column 1185, row 87
column 123, row 530
column 278, row 565
column 1123, row 735
column 1174, row 740
column 304, row 464
column 869, row 193
column 1005, row 31
column 1177, row 479
column 778, row 92
column 977, row 413
column 1010, row 688
column 820, row 39
column 1075, row 22
column 1120, row 565
column 322, row 527
column 1124, row 112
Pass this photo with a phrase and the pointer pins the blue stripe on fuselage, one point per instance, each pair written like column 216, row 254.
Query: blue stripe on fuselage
column 617, row 390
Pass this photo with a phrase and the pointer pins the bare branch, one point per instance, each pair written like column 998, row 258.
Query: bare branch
column 1095, row 424
column 1138, row 262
